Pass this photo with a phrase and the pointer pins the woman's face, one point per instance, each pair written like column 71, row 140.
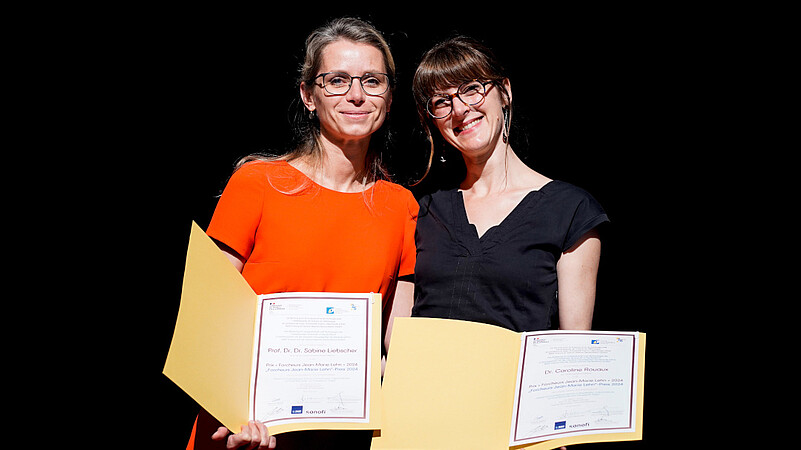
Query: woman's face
column 474, row 130
column 355, row 115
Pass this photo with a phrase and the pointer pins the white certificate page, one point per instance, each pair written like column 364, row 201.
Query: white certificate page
column 313, row 358
column 571, row 383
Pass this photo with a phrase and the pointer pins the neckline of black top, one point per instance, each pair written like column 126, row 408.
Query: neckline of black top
column 469, row 230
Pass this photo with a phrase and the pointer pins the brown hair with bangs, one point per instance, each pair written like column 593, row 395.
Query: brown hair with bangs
column 449, row 64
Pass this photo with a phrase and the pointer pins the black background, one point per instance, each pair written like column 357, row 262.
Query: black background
column 607, row 99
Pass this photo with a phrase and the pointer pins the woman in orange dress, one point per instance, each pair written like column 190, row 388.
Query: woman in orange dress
column 325, row 217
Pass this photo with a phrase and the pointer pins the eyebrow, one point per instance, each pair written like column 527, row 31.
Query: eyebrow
column 346, row 72
column 442, row 91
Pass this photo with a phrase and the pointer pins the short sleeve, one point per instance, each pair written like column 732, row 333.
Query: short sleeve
column 409, row 251
column 587, row 215
column 238, row 212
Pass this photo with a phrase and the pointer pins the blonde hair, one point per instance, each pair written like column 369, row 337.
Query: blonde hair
column 307, row 126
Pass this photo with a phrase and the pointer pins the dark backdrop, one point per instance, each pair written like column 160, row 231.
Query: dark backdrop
column 600, row 101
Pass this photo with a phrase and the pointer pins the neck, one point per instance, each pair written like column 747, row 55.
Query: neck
column 488, row 174
column 343, row 165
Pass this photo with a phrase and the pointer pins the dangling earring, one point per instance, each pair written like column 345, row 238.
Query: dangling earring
column 505, row 125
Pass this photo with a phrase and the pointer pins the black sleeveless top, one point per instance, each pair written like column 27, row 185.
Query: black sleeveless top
column 508, row 276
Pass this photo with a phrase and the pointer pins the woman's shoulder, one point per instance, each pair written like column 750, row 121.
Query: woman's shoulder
column 274, row 170
column 263, row 166
column 268, row 176
column 440, row 195
column 394, row 193
column 572, row 201
column 437, row 200
column 394, row 188
column 562, row 190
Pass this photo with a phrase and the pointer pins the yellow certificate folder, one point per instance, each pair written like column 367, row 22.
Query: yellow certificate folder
column 211, row 356
column 451, row 384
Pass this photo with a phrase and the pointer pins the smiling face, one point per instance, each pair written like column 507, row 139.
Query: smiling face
column 475, row 130
column 354, row 116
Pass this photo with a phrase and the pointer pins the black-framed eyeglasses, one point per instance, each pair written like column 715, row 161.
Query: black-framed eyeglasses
column 470, row 93
column 339, row 83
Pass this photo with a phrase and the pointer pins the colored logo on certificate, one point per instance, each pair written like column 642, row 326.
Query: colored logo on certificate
column 329, row 310
column 595, row 341
column 297, row 410
column 556, row 426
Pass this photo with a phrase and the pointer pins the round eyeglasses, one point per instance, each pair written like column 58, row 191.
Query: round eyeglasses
column 339, row 83
column 470, row 93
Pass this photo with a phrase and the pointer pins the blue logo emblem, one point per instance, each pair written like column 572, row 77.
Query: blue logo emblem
column 595, row 341
column 297, row 410
column 329, row 310
column 560, row 425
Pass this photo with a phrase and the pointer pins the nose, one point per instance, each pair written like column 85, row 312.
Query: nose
column 356, row 93
column 460, row 108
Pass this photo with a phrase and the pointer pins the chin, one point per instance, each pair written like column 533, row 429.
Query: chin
column 349, row 133
column 359, row 133
column 472, row 145
column 361, row 130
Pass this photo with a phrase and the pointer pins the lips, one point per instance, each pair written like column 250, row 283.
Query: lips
column 468, row 125
column 354, row 114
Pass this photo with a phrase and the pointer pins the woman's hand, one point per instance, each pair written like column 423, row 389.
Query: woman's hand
column 253, row 435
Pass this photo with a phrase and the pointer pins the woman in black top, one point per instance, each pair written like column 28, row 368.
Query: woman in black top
column 509, row 247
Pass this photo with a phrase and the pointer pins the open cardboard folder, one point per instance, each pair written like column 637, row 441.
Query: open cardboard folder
column 448, row 384
column 451, row 385
column 212, row 350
